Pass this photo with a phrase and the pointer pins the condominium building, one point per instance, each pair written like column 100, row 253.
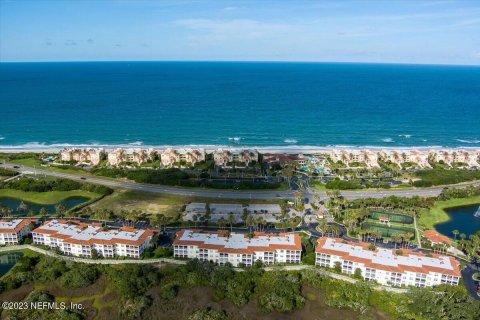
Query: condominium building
column 418, row 157
column 237, row 248
column 12, row 231
column 90, row 156
column 387, row 267
column 138, row 156
column 79, row 239
column 224, row 157
column 170, row 156
column 393, row 156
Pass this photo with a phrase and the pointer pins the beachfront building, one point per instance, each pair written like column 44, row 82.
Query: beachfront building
column 350, row 157
column 420, row 158
column 387, row 267
column 188, row 156
column 280, row 159
column 339, row 156
column 115, row 157
column 137, row 156
column 468, row 157
column 13, row 231
column 444, row 156
column 237, row 248
column 80, row 239
column 370, row 158
column 227, row 157
column 393, row 156
column 88, row 156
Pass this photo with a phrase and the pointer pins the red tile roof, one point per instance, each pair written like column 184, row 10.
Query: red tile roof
column 68, row 239
column 398, row 268
column 436, row 237
column 249, row 250
column 18, row 227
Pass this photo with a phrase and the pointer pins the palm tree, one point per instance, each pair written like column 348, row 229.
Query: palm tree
column 132, row 216
column 455, row 233
column 22, row 207
column 231, row 221
column 195, row 219
column 396, row 239
column 43, row 212
column 162, row 220
column 463, row 236
column 60, row 209
column 221, row 222
column 122, row 214
column 245, row 215
column 250, row 221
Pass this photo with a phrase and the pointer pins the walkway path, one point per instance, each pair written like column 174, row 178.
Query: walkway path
column 183, row 262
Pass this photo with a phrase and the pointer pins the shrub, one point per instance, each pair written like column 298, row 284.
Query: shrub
column 205, row 313
column 81, row 275
column 279, row 291
column 169, row 291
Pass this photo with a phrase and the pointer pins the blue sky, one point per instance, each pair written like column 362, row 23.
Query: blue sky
column 436, row 31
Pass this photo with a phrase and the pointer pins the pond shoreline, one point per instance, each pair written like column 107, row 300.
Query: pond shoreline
column 439, row 214
column 73, row 200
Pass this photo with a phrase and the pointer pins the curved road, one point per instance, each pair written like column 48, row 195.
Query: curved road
column 211, row 193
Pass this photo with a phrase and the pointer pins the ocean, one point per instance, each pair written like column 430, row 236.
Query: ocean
column 238, row 104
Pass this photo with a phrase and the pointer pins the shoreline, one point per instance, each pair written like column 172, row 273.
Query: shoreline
column 439, row 211
column 288, row 149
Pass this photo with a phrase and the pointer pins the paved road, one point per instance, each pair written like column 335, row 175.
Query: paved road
column 209, row 193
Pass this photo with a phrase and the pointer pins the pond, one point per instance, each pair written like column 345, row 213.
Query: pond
column 7, row 261
column 14, row 203
column 463, row 219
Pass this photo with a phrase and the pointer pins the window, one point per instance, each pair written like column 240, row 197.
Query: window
column 420, row 279
column 396, row 279
column 370, row 274
column 323, row 259
column 347, row 267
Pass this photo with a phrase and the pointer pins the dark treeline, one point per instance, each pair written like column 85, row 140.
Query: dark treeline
column 46, row 185
column 177, row 177
column 459, row 193
column 436, row 177
column 7, row 172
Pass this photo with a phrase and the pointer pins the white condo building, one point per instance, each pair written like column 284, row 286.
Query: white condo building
column 78, row 239
column 238, row 249
column 385, row 266
column 12, row 231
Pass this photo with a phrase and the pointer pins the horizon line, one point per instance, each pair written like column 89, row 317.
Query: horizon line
column 246, row 61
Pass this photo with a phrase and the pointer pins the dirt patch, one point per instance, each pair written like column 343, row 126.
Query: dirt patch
column 189, row 300
column 16, row 294
column 95, row 289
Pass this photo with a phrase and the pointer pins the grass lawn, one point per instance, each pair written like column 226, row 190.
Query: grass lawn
column 29, row 162
column 437, row 213
column 51, row 197
column 154, row 203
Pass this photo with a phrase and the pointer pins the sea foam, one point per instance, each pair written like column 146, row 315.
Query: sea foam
column 468, row 141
